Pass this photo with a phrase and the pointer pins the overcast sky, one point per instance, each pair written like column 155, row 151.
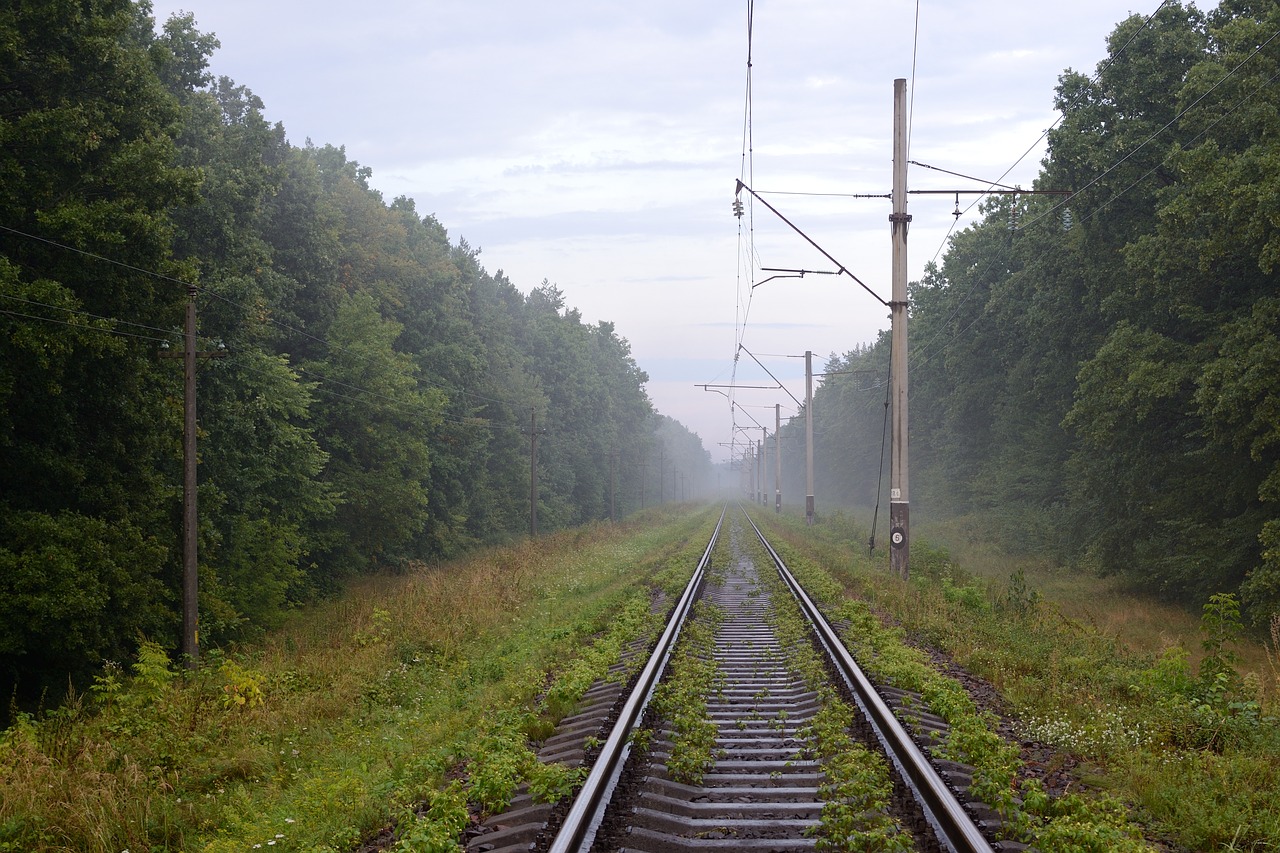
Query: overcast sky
column 596, row 144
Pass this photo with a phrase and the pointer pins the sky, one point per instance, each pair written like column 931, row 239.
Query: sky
column 596, row 145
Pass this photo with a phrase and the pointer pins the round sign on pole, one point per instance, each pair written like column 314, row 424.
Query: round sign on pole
column 898, row 537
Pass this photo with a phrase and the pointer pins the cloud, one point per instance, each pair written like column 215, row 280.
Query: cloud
column 597, row 144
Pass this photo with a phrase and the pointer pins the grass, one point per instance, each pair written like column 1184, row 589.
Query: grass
column 1190, row 744
column 1136, row 621
column 411, row 695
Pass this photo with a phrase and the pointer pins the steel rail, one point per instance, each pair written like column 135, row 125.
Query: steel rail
column 580, row 825
column 955, row 828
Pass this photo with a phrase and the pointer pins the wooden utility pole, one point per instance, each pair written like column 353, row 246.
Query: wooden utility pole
column 613, row 484
column 190, row 517
column 899, row 500
column 808, row 435
column 777, row 457
column 662, row 475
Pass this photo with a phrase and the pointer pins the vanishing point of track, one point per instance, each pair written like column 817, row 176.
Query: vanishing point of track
column 762, row 790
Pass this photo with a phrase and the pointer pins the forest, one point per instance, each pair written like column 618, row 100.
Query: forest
column 378, row 387
column 1097, row 378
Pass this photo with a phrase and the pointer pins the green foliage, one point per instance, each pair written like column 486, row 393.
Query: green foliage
column 241, row 687
column 970, row 596
column 1019, row 598
column 1219, row 625
column 73, row 589
column 552, row 783
column 1073, row 824
column 500, row 759
column 681, row 699
column 368, row 408
column 1107, row 394
column 438, row 829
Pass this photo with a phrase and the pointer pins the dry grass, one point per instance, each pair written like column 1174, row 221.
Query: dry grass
column 1136, row 621
column 353, row 710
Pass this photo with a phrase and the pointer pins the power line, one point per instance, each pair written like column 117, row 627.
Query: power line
column 84, row 328
column 1097, row 75
column 1193, row 141
column 170, row 332
column 928, row 355
column 1168, row 125
column 915, row 51
column 271, row 320
column 316, row 379
column 929, row 349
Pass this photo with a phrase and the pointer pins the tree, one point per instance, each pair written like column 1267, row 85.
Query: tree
column 88, row 166
column 374, row 427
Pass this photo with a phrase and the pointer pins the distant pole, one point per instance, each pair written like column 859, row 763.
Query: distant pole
column 899, row 502
column 764, row 465
column 662, row 475
column 808, row 435
column 613, row 484
column 777, row 457
column 759, row 471
column 190, row 577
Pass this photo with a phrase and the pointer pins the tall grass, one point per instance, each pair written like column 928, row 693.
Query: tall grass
column 1183, row 732
column 351, row 717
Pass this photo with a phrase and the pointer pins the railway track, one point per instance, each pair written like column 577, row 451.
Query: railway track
column 789, row 728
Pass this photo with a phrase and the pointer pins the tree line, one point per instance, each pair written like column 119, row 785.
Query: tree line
column 1098, row 378
column 378, row 391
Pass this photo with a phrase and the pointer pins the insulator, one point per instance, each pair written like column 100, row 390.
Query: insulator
column 737, row 207
column 1067, row 220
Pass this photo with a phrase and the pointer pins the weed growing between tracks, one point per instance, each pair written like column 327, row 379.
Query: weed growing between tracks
column 1195, row 750
column 1066, row 823
column 857, row 788
column 409, row 700
column 680, row 701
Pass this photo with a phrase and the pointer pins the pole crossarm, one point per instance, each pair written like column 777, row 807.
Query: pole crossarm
column 789, row 274
column 991, row 192
column 758, row 425
column 841, row 267
column 707, row 386
column 770, row 372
